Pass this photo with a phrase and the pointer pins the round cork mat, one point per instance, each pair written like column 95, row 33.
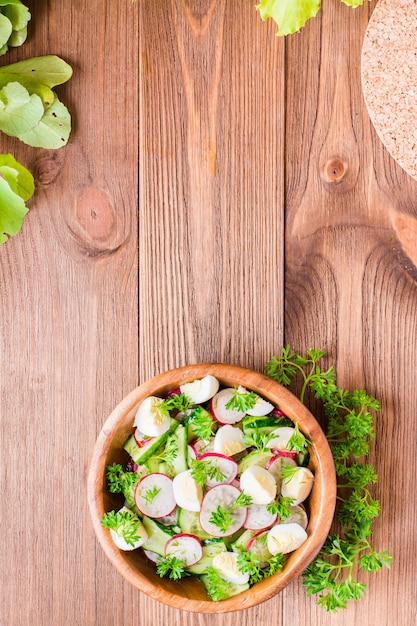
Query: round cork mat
column 389, row 78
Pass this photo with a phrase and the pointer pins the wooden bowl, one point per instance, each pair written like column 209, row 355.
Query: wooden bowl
column 188, row 594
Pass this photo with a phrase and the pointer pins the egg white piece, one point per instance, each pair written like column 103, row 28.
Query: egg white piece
column 259, row 484
column 228, row 440
column 281, row 437
column 225, row 564
column 262, row 407
column 201, row 390
column 285, row 538
column 149, row 420
column 121, row 543
column 298, row 486
column 187, row 493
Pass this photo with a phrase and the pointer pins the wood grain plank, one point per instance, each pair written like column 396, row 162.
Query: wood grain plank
column 210, row 232
column 350, row 283
column 68, row 319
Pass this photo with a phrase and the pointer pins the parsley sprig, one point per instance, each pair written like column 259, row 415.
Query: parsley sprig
column 349, row 433
column 120, row 481
column 201, row 422
column 171, row 566
column 201, row 471
column 124, row 523
column 242, row 400
column 176, row 401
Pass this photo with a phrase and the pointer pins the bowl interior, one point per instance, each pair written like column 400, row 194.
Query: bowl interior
column 189, row 594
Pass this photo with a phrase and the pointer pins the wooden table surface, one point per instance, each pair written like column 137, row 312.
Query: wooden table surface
column 223, row 192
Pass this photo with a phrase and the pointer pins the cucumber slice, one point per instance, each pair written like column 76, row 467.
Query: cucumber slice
column 157, row 536
column 180, row 462
column 254, row 458
column 265, row 424
column 142, row 454
column 189, row 523
column 232, row 588
column 209, row 552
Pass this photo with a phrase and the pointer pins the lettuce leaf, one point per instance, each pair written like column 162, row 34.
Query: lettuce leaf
column 14, row 18
column 16, row 187
column 291, row 15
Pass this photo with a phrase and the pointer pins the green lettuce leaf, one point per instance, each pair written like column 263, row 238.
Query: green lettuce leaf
column 16, row 186
column 289, row 15
column 52, row 131
column 14, row 18
column 19, row 111
column 48, row 70
column 5, row 30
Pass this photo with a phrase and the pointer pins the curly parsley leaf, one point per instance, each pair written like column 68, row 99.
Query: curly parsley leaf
column 242, row 400
column 171, row 566
column 124, row 523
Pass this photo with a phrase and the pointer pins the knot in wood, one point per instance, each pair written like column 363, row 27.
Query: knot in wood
column 47, row 168
column 335, row 169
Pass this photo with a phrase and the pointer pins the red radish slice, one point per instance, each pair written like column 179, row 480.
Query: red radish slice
column 227, row 467
column 223, row 496
column 287, row 454
column 298, row 516
column 219, row 410
column 140, row 438
column 259, row 518
column 152, row 556
column 278, row 413
column 192, row 452
column 185, row 547
column 174, row 392
column 154, row 495
column 171, row 519
column 201, row 446
column 258, row 545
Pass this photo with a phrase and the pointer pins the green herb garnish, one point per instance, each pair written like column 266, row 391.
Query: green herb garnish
column 120, row 481
column 349, row 433
column 150, row 494
column 201, row 471
column 222, row 518
column 171, row 566
column 242, row 400
column 124, row 523
column 281, row 506
column 177, row 401
column 217, row 588
column 201, row 423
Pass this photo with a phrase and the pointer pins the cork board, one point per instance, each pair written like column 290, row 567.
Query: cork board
column 389, row 78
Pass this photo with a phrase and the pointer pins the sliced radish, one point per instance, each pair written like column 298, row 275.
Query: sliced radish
column 286, row 454
column 282, row 435
column 224, row 464
column 192, row 452
column 141, row 439
column 219, row 410
column 149, row 419
column 223, row 496
column 275, row 465
column 285, row 538
column 259, row 518
column 186, row 548
column 278, row 413
column 171, row 519
column 154, row 495
column 259, row 484
column 226, row 566
column 298, row 516
column 201, row 446
column 199, row 391
column 258, row 545
column 261, row 407
column 152, row 556
column 229, row 440
column 187, row 493
column 298, row 486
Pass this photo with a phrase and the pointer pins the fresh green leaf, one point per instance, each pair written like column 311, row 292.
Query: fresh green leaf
column 16, row 187
column 150, row 494
column 242, row 400
column 19, row 111
column 124, row 523
column 201, row 471
column 216, row 587
column 48, row 70
column 221, row 518
column 289, row 15
column 171, row 566
column 201, row 422
column 5, row 30
column 282, row 506
column 243, row 500
column 52, row 131
column 120, row 481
